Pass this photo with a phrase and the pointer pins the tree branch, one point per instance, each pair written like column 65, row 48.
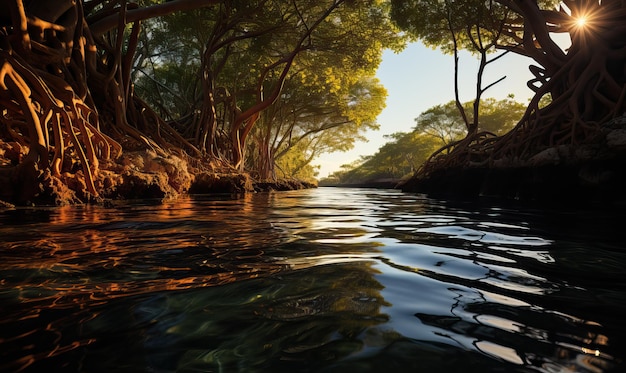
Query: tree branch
column 109, row 22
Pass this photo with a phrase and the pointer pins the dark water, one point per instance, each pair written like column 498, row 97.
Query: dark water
column 333, row 280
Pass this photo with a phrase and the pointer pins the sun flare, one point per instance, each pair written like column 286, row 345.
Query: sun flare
column 581, row 21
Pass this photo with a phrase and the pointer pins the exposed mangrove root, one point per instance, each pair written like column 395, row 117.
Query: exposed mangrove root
column 50, row 119
column 53, row 70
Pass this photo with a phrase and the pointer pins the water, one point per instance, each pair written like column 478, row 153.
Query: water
column 326, row 280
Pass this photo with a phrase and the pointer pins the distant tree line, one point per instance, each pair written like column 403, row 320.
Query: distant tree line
column 436, row 128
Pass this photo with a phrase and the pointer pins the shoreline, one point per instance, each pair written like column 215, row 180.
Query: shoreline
column 589, row 183
column 135, row 175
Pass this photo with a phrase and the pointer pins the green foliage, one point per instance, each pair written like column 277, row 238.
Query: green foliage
column 296, row 163
column 499, row 116
column 398, row 158
column 306, row 112
column 312, row 121
column 445, row 124
column 168, row 61
column 172, row 88
column 474, row 23
column 331, row 97
column 435, row 128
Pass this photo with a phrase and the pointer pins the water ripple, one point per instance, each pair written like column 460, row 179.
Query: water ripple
column 316, row 280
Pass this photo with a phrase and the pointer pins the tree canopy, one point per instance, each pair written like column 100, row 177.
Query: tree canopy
column 317, row 93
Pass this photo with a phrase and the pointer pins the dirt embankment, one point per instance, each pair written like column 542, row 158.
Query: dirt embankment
column 135, row 175
column 567, row 174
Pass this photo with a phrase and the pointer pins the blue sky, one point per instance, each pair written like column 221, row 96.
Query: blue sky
column 419, row 78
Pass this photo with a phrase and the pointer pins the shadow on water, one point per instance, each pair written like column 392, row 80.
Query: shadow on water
column 315, row 280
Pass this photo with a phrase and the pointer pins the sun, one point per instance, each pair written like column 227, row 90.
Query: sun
column 581, row 22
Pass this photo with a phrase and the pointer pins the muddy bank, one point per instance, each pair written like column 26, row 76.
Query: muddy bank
column 282, row 185
column 593, row 182
column 593, row 173
column 135, row 175
column 380, row 183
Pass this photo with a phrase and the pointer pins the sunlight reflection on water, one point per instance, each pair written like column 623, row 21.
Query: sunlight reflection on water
column 314, row 280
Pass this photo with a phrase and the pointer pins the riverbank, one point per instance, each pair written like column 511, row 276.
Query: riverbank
column 134, row 175
column 380, row 183
column 591, row 173
column 565, row 181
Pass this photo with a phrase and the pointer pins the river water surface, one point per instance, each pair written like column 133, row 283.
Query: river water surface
column 321, row 280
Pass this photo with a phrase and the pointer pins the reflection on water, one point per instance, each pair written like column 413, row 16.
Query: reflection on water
column 315, row 280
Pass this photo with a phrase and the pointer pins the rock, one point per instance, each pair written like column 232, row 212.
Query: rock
column 144, row 174
column 616, row 139
column 282, row 185
column 209, row 182
column 586, row 152
column 563, row 154
column 142, row 185
column 6, row 205
column 548, row 156
column 178, row 177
